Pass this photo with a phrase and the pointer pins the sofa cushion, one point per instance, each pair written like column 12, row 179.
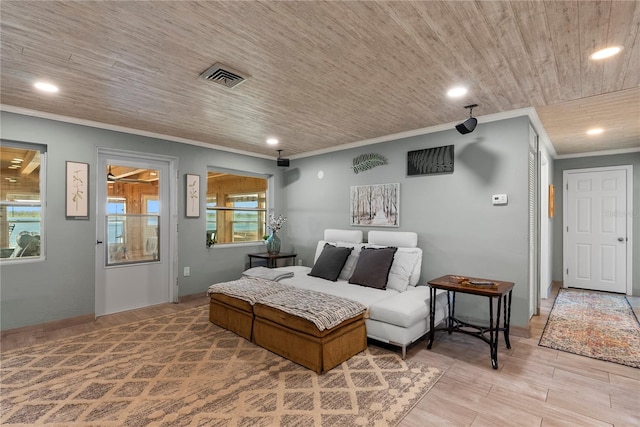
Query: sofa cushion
column 372, row 268
column 405, row 270
column 404, row 308
column 330, row 262
column 406, row 239
column 352, row 259
column 336, row 235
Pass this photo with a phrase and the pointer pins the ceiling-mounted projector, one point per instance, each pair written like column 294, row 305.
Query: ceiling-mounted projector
column 281, row 161
column 470, row 124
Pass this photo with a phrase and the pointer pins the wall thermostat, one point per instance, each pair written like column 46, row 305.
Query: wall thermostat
column 499, row 199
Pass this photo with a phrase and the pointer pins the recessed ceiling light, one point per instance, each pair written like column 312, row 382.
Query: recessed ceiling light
column 595, row 131
column 606, row 52
column 272, row 141
column 46, row 87
column 457, row 92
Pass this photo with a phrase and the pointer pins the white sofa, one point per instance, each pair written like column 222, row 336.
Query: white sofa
column 399, row 314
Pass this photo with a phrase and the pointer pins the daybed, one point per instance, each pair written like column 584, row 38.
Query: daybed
column 398, row 314
column 383, row 273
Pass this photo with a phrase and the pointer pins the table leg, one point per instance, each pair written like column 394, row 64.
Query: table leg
column 452, row 310
column 507, row 318
column 497, row 334
column 432, row 316
column 492, row 332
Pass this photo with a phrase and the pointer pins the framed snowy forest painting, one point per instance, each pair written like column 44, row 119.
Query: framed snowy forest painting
column 376, row 205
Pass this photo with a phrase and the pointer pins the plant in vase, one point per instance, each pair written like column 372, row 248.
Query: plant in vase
column 273, row 241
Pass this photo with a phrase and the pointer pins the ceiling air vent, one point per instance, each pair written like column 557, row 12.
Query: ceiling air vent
column 221, row 74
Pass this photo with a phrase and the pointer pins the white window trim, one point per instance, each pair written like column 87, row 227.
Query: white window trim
column 43, row 203
column 268, row 204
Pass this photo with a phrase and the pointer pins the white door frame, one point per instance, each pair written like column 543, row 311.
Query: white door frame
column 172, row 245
column 534, row 224
column 628, row 214
column 545, row 253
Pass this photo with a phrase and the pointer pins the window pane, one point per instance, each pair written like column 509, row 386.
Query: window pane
column 132, row 239
column 236, row 207
column 20, row 204
column 133, row 215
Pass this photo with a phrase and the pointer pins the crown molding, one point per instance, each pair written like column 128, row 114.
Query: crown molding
column 530, row 112
column 105, row 126
column 599, row 153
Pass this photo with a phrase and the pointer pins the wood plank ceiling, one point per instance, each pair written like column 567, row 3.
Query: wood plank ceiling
column 324, row 74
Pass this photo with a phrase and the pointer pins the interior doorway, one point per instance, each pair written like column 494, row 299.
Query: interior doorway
column 598, row 228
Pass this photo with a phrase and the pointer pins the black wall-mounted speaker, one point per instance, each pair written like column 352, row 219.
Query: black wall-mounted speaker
column 283, row 162
column 467, row 126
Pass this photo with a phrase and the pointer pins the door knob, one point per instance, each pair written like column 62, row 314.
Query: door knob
column 98, row 242
column 620, row 239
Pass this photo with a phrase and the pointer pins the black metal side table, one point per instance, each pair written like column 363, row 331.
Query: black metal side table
column 496, row 289
column 272, row 259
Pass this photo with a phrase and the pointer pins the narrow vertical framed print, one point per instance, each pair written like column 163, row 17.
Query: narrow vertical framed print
column 77, row 190
column 192, row 196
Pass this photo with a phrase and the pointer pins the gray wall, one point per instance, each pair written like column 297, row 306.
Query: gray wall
column 62, row 286
column 560, row 166
column 546, row 282
column 458, row 228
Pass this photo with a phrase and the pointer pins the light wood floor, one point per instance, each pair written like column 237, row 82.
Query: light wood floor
column 534, row 386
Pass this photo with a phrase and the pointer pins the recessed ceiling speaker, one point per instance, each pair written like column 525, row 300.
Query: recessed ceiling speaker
column 281, row 161
column 470, row 124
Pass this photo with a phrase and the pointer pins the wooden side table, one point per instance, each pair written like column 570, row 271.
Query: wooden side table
column 454, row 284
column 272, row 259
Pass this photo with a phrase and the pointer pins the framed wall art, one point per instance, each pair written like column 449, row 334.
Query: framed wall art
column 376, row 205
column 437, row 160
column 192, row 196
column 77, row 190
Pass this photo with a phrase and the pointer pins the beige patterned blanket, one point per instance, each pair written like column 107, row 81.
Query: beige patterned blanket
column 324, row 310
column 248, row 288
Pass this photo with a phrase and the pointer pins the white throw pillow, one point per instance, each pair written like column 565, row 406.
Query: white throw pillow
column 352, row 260
column 405, row 262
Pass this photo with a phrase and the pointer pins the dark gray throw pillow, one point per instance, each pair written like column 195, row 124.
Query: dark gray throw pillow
column 372, row 269
column 330, row 262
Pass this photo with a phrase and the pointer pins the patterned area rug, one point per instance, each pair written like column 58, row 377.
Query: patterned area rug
column 181, row 370
column 597, row 325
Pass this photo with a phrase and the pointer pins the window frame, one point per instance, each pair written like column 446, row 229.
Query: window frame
column 268, row 198
column 42, row 203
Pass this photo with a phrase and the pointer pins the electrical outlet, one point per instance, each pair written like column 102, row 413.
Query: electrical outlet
column 187, row 271
column 499, row 199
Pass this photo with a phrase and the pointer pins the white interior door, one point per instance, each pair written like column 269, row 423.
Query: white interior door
column 596, row 234
column 134, row 256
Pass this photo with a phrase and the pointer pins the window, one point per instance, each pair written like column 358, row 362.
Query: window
column 116, row 212
column 236, row 207
column 21, row 200
column 133, row 215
